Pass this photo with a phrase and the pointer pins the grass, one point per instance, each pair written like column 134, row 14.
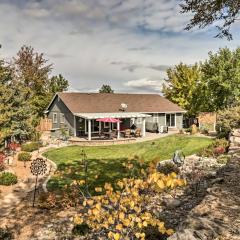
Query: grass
column 107, row 161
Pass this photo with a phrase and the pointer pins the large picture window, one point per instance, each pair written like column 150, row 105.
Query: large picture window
column 170, row 120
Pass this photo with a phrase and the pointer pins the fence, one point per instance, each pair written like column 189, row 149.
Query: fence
column 208, row 119
column 45, row 125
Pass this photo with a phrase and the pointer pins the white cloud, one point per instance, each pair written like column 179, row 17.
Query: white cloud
column 145, row 84
column 83, row 37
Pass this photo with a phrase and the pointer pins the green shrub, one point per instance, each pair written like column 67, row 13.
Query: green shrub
column 227, row 120
column 223, row 159
column 24, row 156
column 188, row 130
column 5, row 234
column 204, row 130
column 30, row 147
column 80, row 229
column 221, row 142
column 7, row 179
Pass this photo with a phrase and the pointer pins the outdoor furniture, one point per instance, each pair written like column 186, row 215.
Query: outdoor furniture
column 137, row 132
column 127, row 133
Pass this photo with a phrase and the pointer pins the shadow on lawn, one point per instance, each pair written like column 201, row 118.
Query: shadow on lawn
column 99, row 172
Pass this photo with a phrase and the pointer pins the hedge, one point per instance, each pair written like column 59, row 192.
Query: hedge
column 7, row 179
column 30, row 147
column 24, row 156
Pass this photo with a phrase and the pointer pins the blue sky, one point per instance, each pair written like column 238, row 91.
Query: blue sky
column 127, row 44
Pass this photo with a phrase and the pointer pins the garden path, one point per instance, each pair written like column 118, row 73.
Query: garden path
column 26, row 184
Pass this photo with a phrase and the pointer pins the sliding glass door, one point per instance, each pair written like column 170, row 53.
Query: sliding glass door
column 171, row 120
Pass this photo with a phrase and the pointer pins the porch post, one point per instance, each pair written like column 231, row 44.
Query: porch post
column 89, row 130
column 74, row 125
column 99, row 127
column 118, row 130
column 85, row 125
column 143, row 127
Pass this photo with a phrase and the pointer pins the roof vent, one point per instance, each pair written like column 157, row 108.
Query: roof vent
column 123, row 107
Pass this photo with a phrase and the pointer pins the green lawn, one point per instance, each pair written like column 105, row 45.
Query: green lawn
column 106, row 161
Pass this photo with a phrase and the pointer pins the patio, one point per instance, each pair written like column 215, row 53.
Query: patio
column 109, row 126
column 96, row 141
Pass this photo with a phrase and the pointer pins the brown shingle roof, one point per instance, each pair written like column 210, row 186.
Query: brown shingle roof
column 111, row 102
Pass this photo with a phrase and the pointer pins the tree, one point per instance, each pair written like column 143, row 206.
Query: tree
column 6, row 94
column 207, row 12
column 31, row 75
column 106, row 89
column 221, row 79
column 228, row 119
column 26, row 89
column 15, row 117
column 58, row 84
column 182, row 87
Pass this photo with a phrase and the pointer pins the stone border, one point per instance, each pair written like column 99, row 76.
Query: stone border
column 53, row 170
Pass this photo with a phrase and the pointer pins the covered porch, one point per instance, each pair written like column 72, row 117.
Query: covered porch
column 86, row 125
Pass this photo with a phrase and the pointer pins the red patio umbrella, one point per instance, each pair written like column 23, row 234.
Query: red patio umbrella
column 110, row 120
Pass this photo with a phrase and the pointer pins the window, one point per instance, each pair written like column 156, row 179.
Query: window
column 55, row 120
column 155, row 117
column 62, row 118
column 139, row 120
column 170, row 120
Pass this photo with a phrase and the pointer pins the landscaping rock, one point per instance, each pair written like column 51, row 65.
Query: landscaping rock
column 186, row 234
column 171, row 203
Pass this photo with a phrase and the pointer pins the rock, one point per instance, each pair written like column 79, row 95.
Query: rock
column 186, row 234
column 217, row 180
column 171, row 203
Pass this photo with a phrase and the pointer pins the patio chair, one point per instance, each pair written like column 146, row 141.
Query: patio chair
column 127, row 133
column 137, row 132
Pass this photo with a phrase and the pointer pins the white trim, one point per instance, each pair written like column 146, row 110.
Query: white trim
column 89, row 130
column 112, row 115
column 55, row 118
column 118, row 130
column 143, row 127
column 74, row 126
column 175, row 118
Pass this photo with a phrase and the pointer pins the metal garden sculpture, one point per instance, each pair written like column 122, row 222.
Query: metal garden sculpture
column 178, row 158
column 38, row 167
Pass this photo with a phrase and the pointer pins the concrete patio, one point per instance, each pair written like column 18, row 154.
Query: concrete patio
column 99, row 142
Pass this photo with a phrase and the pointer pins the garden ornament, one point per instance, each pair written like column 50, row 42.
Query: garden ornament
column 178, row 158
column 38, row 167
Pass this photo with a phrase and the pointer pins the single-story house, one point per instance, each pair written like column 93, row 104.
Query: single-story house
column 78, row 112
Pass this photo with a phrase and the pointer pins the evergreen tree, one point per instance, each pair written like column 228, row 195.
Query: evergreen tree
column 106, row 89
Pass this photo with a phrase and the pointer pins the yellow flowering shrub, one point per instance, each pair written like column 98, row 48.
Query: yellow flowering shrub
column 123, row 213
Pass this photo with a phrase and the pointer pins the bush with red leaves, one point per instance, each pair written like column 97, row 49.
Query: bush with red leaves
column 2, row 158
column 219, row 150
